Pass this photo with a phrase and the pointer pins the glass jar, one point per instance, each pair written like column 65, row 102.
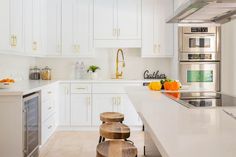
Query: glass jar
column 46, row 73
column 34, row 73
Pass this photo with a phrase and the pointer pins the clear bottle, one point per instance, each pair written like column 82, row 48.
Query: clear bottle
column 82, row 71
column 77, row 70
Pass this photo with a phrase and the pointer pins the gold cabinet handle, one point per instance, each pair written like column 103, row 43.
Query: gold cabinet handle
column 13, row 41
column 34, row 46
column 77, row 48
column 157, row 48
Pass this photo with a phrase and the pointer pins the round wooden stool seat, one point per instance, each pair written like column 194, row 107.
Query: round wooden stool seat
column 111, row 117
column 114, row 130
column 116, row 149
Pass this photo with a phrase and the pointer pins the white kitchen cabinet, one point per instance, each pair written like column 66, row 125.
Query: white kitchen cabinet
column 64, row 104
column 16, row 25
column 11, row 28
column 5, row 25
column 33, row 29
column 77, row 28
column 129, row 19
column 54, row 28
column 104, row 19
column 117, row 23
column 157, row 35
column 81, row 109
column 102, row 103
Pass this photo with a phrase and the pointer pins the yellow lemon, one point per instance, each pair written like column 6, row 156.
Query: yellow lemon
column 155, row 86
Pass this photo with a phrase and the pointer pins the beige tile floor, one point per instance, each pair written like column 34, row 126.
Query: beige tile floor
column 80, row 144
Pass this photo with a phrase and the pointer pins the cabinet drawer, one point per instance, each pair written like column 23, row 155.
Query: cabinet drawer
column 48, row 108
column 48, row 127
column 47, row 93
column 81, row 88
column 111, row 88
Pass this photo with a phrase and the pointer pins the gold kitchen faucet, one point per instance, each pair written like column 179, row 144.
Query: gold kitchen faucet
column 119, row 75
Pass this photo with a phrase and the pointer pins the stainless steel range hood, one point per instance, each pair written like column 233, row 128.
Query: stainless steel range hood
column 205, row 11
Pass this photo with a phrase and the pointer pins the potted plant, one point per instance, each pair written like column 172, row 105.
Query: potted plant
column 92, row 70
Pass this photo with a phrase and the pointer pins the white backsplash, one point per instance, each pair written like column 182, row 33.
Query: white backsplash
column 16, row 67
column 105, row 59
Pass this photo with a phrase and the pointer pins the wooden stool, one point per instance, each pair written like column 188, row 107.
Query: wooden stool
column 116, row 149
column 114, row 130
column 111, row 117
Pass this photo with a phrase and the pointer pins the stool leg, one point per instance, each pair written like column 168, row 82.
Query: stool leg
column 100, row 139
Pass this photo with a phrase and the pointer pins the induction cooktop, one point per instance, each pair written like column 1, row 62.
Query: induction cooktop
column 202, row 99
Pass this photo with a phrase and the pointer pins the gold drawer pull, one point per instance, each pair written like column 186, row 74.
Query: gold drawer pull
column 81, row 88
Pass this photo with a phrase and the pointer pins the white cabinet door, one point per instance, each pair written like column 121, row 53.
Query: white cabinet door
column 104, row 19
column 157, row 35
column 54, row 27
column 148, row 12
column 11, row 28
column 64, row 104
column 81, row 109
column 5, row 41
column 164, row 32
column 16, row 25
column 129, row 19
column 32, row 28
column 102, row 103
column 127, row 108
column 76, row 27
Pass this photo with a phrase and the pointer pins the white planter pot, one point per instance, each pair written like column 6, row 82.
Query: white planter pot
column 93, row 75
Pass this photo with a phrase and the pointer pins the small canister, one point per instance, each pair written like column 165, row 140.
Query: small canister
column 34, row 73
column 46, row 73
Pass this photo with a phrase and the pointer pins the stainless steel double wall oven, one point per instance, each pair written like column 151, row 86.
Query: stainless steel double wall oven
column 199, row 57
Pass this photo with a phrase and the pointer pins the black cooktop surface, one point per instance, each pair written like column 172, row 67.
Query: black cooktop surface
column 202, row 99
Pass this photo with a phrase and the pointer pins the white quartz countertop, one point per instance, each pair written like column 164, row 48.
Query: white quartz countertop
column 26, row 87
column 182, row 132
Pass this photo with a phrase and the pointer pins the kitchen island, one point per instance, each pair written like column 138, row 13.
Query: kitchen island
column 173, row 130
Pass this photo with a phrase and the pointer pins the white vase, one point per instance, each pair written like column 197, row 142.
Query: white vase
column 93, row 75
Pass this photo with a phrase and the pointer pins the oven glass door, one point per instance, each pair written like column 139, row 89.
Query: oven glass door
column 199, row 43
column 204, row 75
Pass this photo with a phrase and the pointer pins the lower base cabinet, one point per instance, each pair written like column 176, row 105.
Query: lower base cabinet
column 81, row 109
column 102, row 103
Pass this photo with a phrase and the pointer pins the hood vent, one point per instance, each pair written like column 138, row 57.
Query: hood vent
column 205, row 11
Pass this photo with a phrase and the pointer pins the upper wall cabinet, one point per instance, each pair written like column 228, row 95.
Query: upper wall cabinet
column 34, row 21
column 157, row 35
column 54, row 27
column 77, row 27
column 117, row 23
column 11, row 26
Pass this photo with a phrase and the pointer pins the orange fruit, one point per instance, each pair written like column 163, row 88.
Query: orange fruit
column 174, row 86
column 167, row 85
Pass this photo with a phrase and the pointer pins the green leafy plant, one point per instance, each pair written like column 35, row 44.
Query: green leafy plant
column 93, row 68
